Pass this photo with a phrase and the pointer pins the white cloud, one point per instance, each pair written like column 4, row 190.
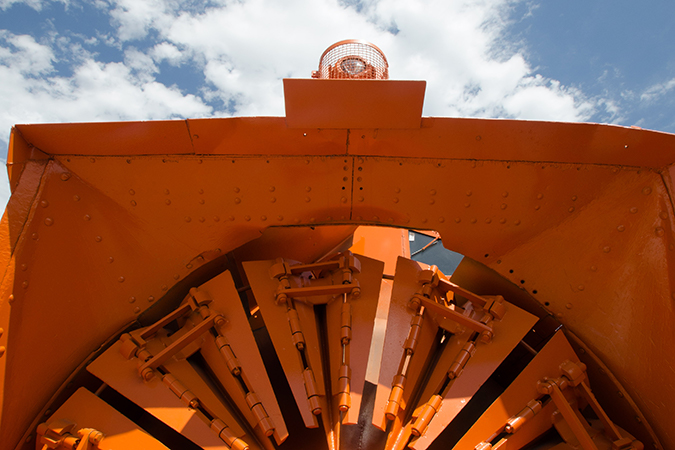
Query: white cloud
column 245, row 49
column 31, row 92
column 35, row 4
column 658, row 90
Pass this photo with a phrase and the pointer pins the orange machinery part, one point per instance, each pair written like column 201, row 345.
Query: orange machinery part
column 107, row 220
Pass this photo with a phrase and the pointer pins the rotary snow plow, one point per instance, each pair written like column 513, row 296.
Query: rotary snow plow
column 248, row 282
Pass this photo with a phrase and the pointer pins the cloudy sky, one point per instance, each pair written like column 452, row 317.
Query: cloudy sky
column 610, row 61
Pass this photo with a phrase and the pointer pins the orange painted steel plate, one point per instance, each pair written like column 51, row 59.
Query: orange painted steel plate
column 264, row 288
column 363, row 312
column 86, row 410
column 398, row 327
column 507, row 333
column 156, row 398
column 353, row 103
column 518, row 394
column 222, row 291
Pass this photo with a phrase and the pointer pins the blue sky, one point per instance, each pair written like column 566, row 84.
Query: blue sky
column 594, row 60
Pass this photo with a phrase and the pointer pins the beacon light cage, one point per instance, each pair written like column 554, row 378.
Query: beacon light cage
column 353, row 59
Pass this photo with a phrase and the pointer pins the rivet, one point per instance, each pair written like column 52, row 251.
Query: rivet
column 621, row 228
column 390, row 220
column 516, row 222
column 345, row 168
column 263, row 218
column 312, row 219
column 581, row 287
column 441, row 219
column 76, row 198
column 571, row 209
column 671, row 295
column 536, row 207
column 98, row 238
column 458, row 219
column 395, row 200
column 132, row 299
column 202, row 219
column 361, row 199
column 594, row 269
column 1, row 332
column 272, row 188
column 633, row 210
column 425, row 220
column 24, row 267
column 308, row 189
column 201, row 191
column 137, row 310
column 176, row 277
column 133, row 203
column 65, row 176
column 397, row 190
column 24, row 284
column 188, row 218
column 615, row 170
column 432, row 192
column 87, row 217
column 488, row 220
column 131, row 192
column 359, row 218
column 29, row 438
column 607, row 249
column 637, row 419
column 359, row 179
column 619, row 393
column 432, row 201
column 502, row 220
column 568, row 306
column 474, row 220
column 478, row 138
column 376, row 218
column 468, row 193
column 166, row 192
column 540, row 196
column 307, row 199
column 49, row 221
column 671, row 246
column 504, row 206
column 659, row 231
column 151, row 299
column 647, row 190
column 202, row 201
column 247, row 218
column 44, row 203
column 11, row 298
column 296, row 220
column 236, row 190
column 505, row 194
column 280, row 218
column 237, row 200
column 93, row 160
column 467, row 205
column 164, row 287
column 574, row 198
column 344, row 200
column 168, row 202
column 111, row 260
column 2, row 351
column 663, row 215
column 121, row 279
column 307, row 161
column 273, row 199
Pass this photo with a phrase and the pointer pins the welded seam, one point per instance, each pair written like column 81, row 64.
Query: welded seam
column 668, row 186
column 192, row 144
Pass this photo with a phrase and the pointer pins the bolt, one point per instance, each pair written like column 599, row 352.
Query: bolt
column 147, row 374
column 65, row 176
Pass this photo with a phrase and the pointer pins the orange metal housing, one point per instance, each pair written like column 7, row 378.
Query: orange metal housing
column 110, row 223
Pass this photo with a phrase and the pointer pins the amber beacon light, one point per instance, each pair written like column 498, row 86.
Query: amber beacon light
column 353, row 59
